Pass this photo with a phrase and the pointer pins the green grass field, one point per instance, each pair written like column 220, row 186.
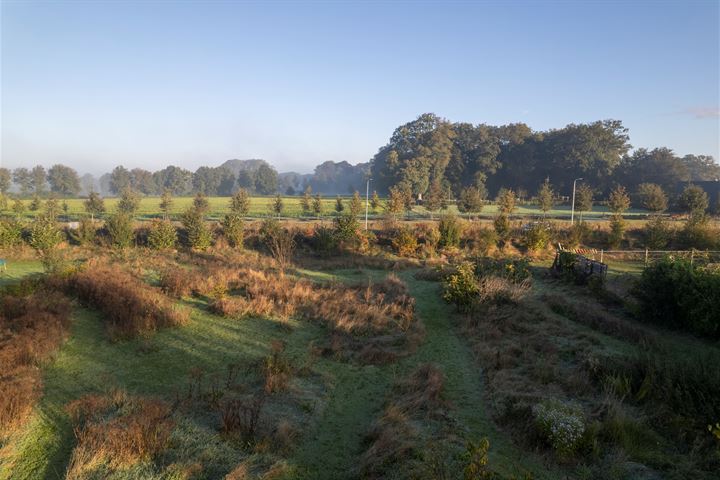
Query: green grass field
column 261, row 206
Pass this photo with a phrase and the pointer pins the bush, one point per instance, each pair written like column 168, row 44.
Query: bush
column 658, row 233
column 501, row 224
column 85, row 233
column 199, row 236
column 405, row 242
column 516, row 271
column 120, row 229
column 44, row 238
column 461, row 288
column 450, row 231
column 577, row 234
column 561, row 424
column 323, row 240
column 162, row 235
column 617, row 231
column 233, row 229
column 676, row 294
column 10, row 233
column 537, row 237
column 699, row 234
column 346, row 230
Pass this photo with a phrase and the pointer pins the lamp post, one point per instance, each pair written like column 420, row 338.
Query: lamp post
column 367, row 201
column 572, row 211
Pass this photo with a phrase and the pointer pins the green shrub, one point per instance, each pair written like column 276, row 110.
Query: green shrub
column 162, row 235
column 514, row 270
column 537, row 237
column 10, row 233
column 699, row 234
column 658, row 233
column 120, row 230
column 617, row 231
column 450, row 231
column 461, row 288
column 44, row 238
column 233, row 229
column 405, row 241
column 198, row 235
column 324, row 240
column 346, row 229
column 483, row 240
column 561, row 424
column 577, row 234
column 677, row 294
column 85, row 233
column 501, row 224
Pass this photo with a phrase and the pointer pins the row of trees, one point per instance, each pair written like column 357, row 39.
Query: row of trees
column 431, row 153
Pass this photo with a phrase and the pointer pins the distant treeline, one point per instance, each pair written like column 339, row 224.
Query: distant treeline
column 425, row 156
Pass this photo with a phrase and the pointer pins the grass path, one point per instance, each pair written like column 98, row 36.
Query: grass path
column 359, row 393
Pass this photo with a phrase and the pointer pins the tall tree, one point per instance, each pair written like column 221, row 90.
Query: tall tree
column 265, row 180
column 652, row 197
column 583, row 199
column 356, row 204
column 142, row 181
column 506, row 201
column 5, row 180
column 120, row 180
column 694, row 201
column 619, row 200
column 23, row 179
column 63, row 180
column 39, row 179
column 176, row 179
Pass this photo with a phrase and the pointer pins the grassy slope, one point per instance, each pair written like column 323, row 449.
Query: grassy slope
column 17, row 269
column 89, row 363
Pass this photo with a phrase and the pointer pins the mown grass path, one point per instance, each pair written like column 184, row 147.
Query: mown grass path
column 331, row 449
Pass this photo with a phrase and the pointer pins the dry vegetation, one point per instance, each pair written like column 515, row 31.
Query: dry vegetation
column 129, row 305
column 32, row 326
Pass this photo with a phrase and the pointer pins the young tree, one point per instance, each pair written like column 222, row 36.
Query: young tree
column 233, row 229
column 506, row 201
column 619, row 200
column 240, row 202
column 306, row 200
column 470, row 201
column 434, row 197
column 546, row 197
column 375, row 201
column 129, row 202
column 120, row 229
column 18, row 206
column 163, row 235
column 317, row 206
column 396, row 201
column 277, row 205
column 200, row 203
column 44, row 238
column 583, row 199
column 52, row 208
column 94, row 205
column 35, row 204
column 339, row 207
column 280, row 241
column 199, row 236
column 166, row 203
column 356, row 204
column 3, row 201
column 63, row 180
column 652, row 197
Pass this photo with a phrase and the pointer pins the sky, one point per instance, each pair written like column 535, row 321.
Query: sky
column 94, row 84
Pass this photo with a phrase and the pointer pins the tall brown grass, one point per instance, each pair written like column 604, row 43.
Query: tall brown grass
column 130, row 306
column 117, row 430
column 31, row 329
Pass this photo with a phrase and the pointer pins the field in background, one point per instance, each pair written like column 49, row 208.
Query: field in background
column 261, row 206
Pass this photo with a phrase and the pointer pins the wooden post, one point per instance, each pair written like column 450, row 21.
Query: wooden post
column 692, row 255
column 601, row 255
column 646, row 256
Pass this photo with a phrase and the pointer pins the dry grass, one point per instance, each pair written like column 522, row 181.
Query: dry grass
column 130, row 306
column 117, row 431
column 31, row 328
column 395, row 439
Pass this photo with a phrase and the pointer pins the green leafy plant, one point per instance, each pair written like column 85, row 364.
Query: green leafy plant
column 162, row 236
column 450, row 231
column 561, row 424
column 461, row 288
column 405, row 241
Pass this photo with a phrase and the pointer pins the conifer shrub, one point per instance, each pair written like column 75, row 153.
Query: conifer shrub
column 162, row 236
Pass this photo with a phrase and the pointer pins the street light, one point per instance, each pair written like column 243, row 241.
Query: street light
column 367, row 201
column 572, row 211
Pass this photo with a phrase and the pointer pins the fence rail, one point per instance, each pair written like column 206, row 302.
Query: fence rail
column 647, row 256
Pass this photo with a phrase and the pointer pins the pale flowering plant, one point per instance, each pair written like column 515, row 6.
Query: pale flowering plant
column 562, row 424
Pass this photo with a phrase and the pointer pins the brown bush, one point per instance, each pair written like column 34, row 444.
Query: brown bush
column 129, row 305
column 118, row 431
column 31, row 328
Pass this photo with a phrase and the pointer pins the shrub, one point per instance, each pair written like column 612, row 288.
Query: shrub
column 675, row 293
column 657, row 232
column 276, row 369
column 10, row 233
column 699, row 234
column 405, row 241
column 233, row 229
column 86, row 232
column 461, row 288
column 324, row 240
column 561, row 424
column 471, row 200
column 162, row 235
column 450, row 231
column 279, row 241
column 346, row 229
column 577, row 234
column 617, row 231
column 120, row 229
column 44, row 238
column 129, row 202
column 482, row 240
column 198, row 234
column 537, row 237
column 501, row 224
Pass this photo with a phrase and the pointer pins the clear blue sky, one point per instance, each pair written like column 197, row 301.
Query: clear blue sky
column 146, row 84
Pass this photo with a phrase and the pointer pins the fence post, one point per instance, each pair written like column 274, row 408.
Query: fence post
column 601, row 255
column 646, row 256
column 692, row 256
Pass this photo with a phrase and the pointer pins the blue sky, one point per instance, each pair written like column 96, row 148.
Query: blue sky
column 147, row 84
